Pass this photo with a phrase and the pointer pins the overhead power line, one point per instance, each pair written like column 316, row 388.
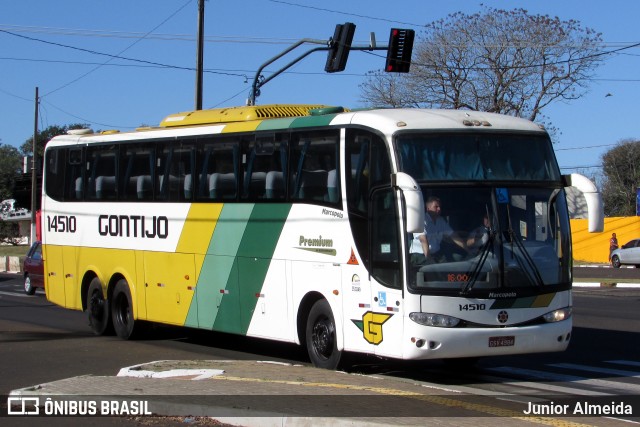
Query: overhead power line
column 82, row 32
column 124, row 58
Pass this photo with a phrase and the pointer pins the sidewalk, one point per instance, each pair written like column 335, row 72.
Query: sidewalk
column 251, row 393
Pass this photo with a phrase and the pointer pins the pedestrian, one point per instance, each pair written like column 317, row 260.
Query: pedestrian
column 613, row 244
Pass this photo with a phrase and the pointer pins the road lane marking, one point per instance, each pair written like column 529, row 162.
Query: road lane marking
column 438, row 400
column 573, row 379
column 615, row 372
column 15, row 294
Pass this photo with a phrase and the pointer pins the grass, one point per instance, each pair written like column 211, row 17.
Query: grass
column 10, row 250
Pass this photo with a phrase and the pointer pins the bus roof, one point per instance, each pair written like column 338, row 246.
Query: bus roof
column 286, row 116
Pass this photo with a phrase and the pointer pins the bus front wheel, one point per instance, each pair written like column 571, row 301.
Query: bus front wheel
column 98, row 309
column 321, row 338
column 122, row 310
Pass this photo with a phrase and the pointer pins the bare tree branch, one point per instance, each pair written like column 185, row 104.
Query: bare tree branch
column 500, row 61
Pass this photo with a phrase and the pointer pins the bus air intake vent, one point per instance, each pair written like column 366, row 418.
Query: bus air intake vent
column 246, row 114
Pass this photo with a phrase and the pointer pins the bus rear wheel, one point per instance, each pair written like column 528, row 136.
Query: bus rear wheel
column 321, row 338
column 98, row 309
column 122, row 310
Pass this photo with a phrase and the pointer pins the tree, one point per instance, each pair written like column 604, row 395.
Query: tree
column 10, row 166
column 10, row 233
column 621, row 170
column 498, row 61
column 45, row 136
column 15, row 185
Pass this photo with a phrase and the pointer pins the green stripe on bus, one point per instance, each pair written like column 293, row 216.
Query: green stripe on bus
column 312, row 121
column 217, row 272
column 275, row 124
column 255, row 253
column 296, row 122
column 236, row 265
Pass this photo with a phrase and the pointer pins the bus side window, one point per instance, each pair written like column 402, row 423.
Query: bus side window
column 275, row 182
column 313, row 168
column 216, row 170
column 55, row 161
column 264, row 168
column 73, row 175
column 255, row 167
column 174, row 164
column 137, row 171
column 102, row 169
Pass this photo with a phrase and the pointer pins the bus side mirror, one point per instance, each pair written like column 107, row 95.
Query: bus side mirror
column 414, row 203
column 592, row 197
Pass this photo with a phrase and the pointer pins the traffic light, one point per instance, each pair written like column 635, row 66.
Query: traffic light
column 399, row 51
column 339, row 47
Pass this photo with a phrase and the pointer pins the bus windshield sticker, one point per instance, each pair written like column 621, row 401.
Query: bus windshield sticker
column 502, row 195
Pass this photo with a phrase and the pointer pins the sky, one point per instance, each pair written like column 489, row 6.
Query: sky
column 66, row 48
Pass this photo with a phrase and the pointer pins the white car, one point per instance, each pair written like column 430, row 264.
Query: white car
column 629, row 253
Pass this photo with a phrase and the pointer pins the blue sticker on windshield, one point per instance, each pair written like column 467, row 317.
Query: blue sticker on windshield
column 502, row 195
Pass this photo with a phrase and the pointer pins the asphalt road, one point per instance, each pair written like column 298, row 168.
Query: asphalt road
column 40, row 342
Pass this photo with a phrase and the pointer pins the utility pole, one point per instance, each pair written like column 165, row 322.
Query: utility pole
column 34, row 182
column 200, row 55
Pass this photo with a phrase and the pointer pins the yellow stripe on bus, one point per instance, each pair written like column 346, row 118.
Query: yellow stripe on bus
column 198, row 228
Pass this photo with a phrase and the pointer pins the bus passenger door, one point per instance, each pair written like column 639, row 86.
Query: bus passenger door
column 386, row 273
column 357, row 309
column 169, row 286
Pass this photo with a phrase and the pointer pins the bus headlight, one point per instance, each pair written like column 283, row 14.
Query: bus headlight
column 432, row 319
column 557, row 315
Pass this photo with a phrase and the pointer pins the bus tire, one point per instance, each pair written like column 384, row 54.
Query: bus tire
column 321, row 337
column 122, row 310
column 98, row 309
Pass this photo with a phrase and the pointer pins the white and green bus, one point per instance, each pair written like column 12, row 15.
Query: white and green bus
column 295, row 222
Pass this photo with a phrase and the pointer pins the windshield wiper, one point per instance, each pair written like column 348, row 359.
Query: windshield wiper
column 484, row 252
column 532, row 272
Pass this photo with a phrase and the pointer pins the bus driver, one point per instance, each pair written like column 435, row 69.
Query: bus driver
column 429, row 247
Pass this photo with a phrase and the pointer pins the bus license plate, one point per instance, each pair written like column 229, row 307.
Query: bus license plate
column 508, row 341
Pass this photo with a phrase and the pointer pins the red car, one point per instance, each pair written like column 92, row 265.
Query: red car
column 33, row 269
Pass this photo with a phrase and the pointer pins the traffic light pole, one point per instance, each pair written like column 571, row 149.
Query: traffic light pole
column 259, row 80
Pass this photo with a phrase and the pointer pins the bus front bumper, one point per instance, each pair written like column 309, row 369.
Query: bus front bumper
column 425, row 342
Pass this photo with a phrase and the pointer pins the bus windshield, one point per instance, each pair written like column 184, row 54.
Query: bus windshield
column 496, row 214
column 494, row 239
column 477, row 157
